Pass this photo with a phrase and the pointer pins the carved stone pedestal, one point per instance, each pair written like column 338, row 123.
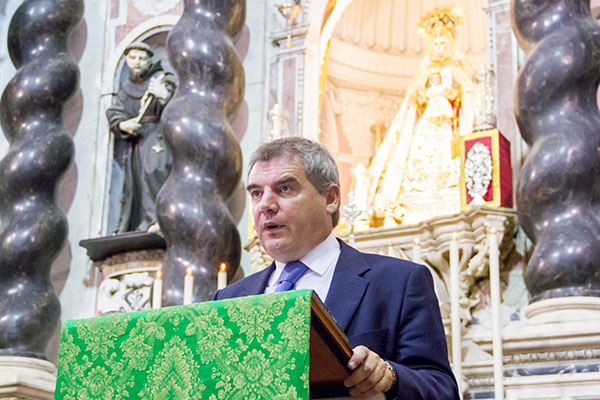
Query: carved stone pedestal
column 128, row 263
column 128, row 278
column 26, row 378
column 553, row 354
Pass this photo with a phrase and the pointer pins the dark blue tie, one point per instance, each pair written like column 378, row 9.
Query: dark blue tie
column 292, row 271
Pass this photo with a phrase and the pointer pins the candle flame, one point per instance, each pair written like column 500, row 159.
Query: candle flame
column 417, row 241
column 493, row 230
column 454, row 235
column 222, row 267
column 188, row 271
column 159, row 275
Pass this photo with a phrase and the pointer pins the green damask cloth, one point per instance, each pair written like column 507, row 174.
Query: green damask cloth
column 240, row 349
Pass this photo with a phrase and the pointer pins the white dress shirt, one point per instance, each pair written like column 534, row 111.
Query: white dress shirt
column 321, row 264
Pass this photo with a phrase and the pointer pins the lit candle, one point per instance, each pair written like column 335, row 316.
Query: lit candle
column 222, row 277
column 455, row 311
column 495, row 299
column 157, row 291
column 417, row 251
column 188, row 287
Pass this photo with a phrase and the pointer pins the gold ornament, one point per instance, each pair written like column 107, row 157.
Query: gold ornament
column 442, row 20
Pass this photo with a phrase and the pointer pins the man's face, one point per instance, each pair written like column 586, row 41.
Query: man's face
column 138, row 61
column 290, row 216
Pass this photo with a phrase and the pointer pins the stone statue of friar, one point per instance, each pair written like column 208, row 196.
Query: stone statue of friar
column 134, row 118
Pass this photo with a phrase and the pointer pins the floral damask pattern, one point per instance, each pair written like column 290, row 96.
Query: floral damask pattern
column 254, row 319
column 239, row 349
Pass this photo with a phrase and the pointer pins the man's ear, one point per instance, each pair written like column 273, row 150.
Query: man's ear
column 332, row 197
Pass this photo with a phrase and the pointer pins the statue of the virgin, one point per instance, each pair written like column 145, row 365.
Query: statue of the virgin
column 414, row 174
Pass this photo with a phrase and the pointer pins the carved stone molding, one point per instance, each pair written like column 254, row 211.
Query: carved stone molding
column 552, row 356
column 477, row 383
column 128, row 281
column 553, row 387
column 132, row 261
column 435, row 235
column 26, row 378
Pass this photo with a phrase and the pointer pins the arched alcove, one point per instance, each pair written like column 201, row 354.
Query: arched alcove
column 156, row 38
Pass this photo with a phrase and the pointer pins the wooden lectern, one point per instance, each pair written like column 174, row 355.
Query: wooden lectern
column 256, row 347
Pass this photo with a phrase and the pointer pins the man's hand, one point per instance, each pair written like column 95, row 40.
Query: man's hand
column 129, row 126
column 371, row 374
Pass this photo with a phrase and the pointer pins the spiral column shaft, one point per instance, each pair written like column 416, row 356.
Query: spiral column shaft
column 207, row 160
column 559, row 185
column 32, row 227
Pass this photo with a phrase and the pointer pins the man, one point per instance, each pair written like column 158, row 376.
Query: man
column 134, row 119
column 386, row 306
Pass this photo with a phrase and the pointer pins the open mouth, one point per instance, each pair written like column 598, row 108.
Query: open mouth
column 272, row 226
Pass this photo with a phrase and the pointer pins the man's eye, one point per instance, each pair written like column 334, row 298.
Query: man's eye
column 255, row 194
column 285, row 188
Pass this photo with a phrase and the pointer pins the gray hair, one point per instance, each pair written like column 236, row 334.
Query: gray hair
column 319, row 166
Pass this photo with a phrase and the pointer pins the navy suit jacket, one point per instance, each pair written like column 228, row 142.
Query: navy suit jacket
column 388, row 305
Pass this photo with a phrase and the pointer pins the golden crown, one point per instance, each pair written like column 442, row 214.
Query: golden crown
column 444, row 20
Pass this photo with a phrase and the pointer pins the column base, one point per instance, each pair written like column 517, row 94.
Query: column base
column 563, row 309
column 555, row 351
column 27, row 378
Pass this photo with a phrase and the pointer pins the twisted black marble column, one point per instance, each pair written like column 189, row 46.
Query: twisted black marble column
column 559, row 185
column 32, row 227
column 207, row 160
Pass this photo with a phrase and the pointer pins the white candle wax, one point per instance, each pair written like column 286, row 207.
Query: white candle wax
column 417, row 251
column 455, row 312
column 188, row 287
column 496, row 327
column 222, row 277
column 157, row 291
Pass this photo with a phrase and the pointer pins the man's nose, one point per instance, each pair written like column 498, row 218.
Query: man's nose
column 268, row 203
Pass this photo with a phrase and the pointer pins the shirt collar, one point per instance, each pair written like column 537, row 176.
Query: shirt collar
column 319, row 258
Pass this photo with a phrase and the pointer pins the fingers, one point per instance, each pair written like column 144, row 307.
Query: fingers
column 359, row 353
column 370, row 375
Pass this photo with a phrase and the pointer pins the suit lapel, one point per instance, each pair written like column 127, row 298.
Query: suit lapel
column 347, row 286
column 256, row 283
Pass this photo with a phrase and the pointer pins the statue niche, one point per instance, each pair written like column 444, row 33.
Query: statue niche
column 414, row 174
column 142, row 162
